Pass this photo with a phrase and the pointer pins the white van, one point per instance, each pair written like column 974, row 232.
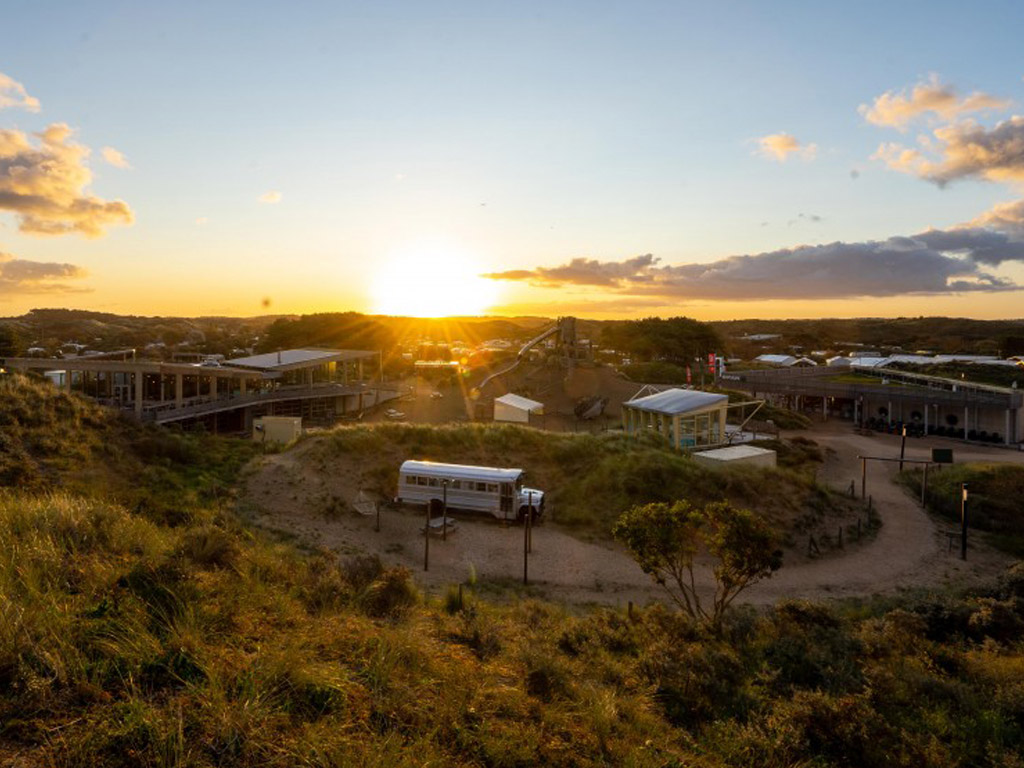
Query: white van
column 481, row 489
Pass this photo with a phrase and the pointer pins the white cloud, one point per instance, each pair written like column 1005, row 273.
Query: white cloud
column 13, row 94
column 271, row 197
column 897, row 109
column 115, row 158
column 780, row 146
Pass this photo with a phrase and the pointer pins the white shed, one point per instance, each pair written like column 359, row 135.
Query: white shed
column 736, row 454
column 516, row 408
column 277, row 429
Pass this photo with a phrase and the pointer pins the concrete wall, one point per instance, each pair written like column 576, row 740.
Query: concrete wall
column 723, row 457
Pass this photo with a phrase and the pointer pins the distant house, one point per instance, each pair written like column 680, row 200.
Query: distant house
column 785, row 361
column 687, row 418
column 516, row 408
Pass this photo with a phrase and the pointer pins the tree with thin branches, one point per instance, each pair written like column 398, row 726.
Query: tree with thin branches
column 665, row 539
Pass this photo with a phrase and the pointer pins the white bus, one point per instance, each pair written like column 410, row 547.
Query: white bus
column 481, row 489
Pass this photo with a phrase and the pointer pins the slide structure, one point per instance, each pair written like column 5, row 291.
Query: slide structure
column 522, row 354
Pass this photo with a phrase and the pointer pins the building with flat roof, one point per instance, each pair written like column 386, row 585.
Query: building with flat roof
column 870, row 394
column 319, row 385
column 687, row 418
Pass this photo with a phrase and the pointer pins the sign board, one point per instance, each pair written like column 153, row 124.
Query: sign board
column 942, row 455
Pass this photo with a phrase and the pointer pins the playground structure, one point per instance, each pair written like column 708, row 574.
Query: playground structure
column 567, row 348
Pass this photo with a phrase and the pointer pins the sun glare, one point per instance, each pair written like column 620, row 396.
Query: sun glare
column 431, row 282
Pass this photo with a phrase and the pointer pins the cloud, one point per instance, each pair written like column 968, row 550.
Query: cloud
column 1004, row 217
column 44, row 184
column 780, row 146
column 934, row 262
column 20, row 276
column 962, row 151
column 13, row 94
column 897, row 109
column 115, row 158
column 271, row 197
column 583, row 272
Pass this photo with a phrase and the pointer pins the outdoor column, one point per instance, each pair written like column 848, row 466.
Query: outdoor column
column 179, row 389
column 242, row 386
column 139, row 382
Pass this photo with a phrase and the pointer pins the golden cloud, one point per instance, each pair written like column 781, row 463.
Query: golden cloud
column 115, row 158
column 964, row 150
column 13, row 94
column 896, row 109
column 780, row 146
column 21, row 276
column 44, row 184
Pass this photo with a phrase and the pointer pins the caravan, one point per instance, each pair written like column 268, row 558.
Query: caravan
column 482, row 489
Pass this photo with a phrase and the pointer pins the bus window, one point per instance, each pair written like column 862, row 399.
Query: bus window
column 410, row 480
column 421, row 481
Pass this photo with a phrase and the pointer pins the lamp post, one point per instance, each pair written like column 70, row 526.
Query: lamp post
column 963, row 521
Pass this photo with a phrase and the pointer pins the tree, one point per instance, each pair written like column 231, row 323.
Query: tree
column 10, row 342
column 675, row 340
column 666, row 538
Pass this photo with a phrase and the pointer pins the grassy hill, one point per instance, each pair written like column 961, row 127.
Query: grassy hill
column 131, row 639
column 591, row 479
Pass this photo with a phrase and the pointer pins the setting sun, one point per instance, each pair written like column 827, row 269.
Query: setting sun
column 431, row 281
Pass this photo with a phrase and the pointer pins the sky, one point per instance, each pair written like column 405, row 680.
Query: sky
column 717, row 160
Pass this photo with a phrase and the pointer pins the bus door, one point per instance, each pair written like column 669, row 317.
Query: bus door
column 507, row 490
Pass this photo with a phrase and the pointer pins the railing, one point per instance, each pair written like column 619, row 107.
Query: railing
column 171, row 411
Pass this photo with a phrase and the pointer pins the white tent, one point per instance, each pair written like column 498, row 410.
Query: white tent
column 516, row 408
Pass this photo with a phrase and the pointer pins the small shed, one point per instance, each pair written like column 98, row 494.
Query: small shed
column 516, row 408
column 733, row 455
column 276, row 429
column 687, row 418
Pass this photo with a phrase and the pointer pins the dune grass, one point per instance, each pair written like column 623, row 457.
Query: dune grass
column 134, row 639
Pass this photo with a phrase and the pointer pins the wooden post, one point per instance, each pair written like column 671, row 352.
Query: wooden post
column 924, row 486
column 963, row 521
column 903, row 446
column 426, row 541
column 444, row 510
column 863, row 477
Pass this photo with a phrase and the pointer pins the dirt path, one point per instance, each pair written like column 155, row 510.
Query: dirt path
column 284, row 492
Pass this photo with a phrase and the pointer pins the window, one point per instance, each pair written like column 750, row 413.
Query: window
column 421, row 481
column 433, row 482
column 456, row 484
column 481, row 486
column 492, row 487
column 410, row 480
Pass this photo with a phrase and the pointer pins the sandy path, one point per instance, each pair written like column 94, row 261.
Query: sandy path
column 909, row 550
